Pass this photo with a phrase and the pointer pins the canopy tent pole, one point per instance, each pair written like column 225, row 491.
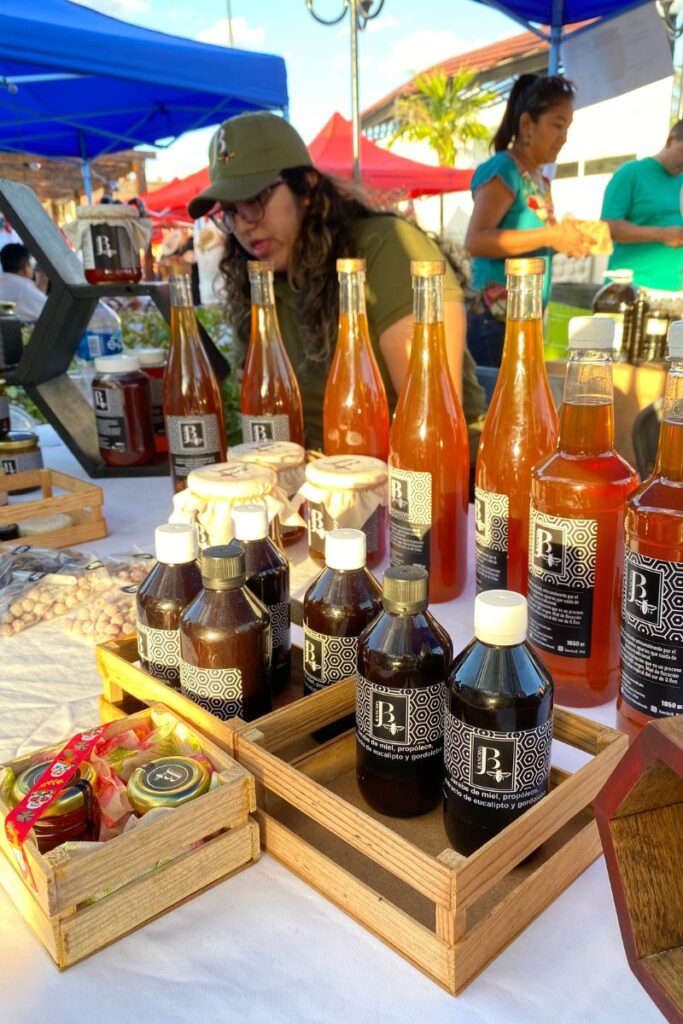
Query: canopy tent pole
column 555, row 37
column 85, row 167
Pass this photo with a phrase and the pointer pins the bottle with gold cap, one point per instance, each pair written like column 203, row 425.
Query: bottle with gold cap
column 270, row 402
column 355, row 409
column 225, row 640
column 429, row 451
column 403, row 662
column 520, row 430
column 167, row 782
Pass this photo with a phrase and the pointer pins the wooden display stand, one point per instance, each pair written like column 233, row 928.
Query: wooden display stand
column 81, row 501
column 640, row 817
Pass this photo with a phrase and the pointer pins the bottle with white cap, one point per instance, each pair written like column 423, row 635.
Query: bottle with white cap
column 498, row 725
column 174, row 581
column 268, row 579
column 123, row 411
column 576, row 529
column 403, row 662
column 652, row 632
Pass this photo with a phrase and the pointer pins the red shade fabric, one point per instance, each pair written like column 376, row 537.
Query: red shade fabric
column 168, row 204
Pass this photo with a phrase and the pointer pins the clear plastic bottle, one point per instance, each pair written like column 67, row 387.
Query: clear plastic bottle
column 103, row 337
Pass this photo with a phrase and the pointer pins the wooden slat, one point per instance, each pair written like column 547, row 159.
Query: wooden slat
column 326, row 762
column 591, row 737
column 82, row 500
column 44, row 927
column 286, row 725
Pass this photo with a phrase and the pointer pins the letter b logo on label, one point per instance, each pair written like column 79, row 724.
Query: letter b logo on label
column 642, row 590
column 192, row 434
column 313, row 657
column 398, row 495
column 261, row 430
column 492, row 763
column 549, row 548
column 389, row 717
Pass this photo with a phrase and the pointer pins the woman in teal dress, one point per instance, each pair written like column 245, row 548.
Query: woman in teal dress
column 513, row 208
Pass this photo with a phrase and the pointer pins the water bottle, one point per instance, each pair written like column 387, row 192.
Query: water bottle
column 102, row 337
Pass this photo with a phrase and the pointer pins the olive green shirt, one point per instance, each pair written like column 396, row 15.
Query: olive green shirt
column 387, row 244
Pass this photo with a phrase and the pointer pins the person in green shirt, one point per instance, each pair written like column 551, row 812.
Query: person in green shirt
column 643, row 207
column 273, row 204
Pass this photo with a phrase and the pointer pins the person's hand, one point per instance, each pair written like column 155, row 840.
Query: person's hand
column 672, row 237
column 567, row 238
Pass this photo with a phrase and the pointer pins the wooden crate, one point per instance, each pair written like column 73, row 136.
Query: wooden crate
column 81, row 501
column 152, row 869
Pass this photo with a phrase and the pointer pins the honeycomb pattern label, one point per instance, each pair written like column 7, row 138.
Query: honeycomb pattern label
column 218, row 690
column 491, row 515
column 327, row 659
column 280, row 627
column 265, row 428
column 160, row 649
column 401, row 723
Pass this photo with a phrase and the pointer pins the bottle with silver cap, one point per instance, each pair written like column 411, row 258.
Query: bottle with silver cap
column 498, row 725
column 576, row 529
column 268, row 579
column 403, row 661
column 174, row 581
column 652, row 632
column 225, row 640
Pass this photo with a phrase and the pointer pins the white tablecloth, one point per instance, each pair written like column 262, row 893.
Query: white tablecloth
column 263, row 946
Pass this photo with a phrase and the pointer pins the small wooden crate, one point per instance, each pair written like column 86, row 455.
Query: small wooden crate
column 81, row 501
column 150, row 870
column 640, row 817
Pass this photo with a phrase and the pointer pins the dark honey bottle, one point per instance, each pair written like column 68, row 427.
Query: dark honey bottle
column 174, row 581
column 403, row 662
column 498, row 725
column 268, row 579
column 225, row 640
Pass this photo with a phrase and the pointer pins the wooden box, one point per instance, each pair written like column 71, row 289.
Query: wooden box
column 81, row 501
column 640, row 817
column 148, row 870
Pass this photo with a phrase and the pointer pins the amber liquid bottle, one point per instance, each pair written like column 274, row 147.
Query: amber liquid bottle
column 193, row 407
column 268, row 579
column 355, row 409
column 520, row 430
column 652, row 628
column 270, row 401
column 498, row 726
column 576, row 536
column 174, row 581
column 429, row 451
column 403, row 662
column 225, row 640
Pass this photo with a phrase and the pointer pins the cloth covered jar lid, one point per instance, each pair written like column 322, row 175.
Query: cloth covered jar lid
column 277, row 454
column 230, row 480
column 107, row 212
column 346, row 472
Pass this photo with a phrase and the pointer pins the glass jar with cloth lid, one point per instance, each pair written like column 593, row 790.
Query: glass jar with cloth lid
column 110, row 237
column 288, row 460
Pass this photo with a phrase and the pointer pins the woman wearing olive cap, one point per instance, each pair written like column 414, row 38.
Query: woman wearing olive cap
column 274, row 205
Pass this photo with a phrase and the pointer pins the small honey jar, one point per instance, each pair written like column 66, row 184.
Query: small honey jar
column 167, row 782
column 75, row 814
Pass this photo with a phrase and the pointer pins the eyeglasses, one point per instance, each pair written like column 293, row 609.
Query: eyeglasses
column 251, row 210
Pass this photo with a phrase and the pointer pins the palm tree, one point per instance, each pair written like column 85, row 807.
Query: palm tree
column 443, row 112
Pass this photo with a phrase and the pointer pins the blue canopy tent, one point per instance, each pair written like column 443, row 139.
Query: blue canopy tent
column 77, row 84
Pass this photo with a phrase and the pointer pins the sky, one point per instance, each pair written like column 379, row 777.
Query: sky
column 406, row 37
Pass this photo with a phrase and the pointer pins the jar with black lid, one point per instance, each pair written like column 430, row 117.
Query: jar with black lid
column 19, row 453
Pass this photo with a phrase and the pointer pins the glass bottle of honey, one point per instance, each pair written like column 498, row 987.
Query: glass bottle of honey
column 520, row 430
column 429, row 451
column 355, row 409
column 576, row 536
column 225, row 645
column 652, row 627
column 403, row 662
column 192, row 403
column 270, row 401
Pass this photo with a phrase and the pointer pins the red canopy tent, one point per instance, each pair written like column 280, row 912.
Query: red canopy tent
column 168, row 205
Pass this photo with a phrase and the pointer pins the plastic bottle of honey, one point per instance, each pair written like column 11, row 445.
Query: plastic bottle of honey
column 225, row 645
column 403, row 662
column 652, row 627
column 355, row 409
column 174, row 581
column 576, row 538
column 153, row 365
column 429, row 451
column 270, row 401
column 123, row 411
column 268, row 579
column 498, row 725
column 520, row 430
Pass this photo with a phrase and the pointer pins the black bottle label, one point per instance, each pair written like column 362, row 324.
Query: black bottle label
column 491, row 513
column 410, row 516
column 265, row 428
column 218, row 690
column 110, row 419
column 320, row 522
column 506, row 771
column 400, row 724
column 160, row 648
column 108, row 247
column 280, row 627
column 193, row 441
column 562, row 555
column 327, row 659
column 156, row 388
column 652, row 635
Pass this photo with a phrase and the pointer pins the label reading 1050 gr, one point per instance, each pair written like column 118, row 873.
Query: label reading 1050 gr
column 400, row 724
column 562, row 555
column 491, row 513
column 652, row 635
column 218, row 690
column 327, row 659
column 193, row 441
column 410, row 516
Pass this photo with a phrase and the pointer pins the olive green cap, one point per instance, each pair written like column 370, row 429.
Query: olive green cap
column 223, row 567
column 246, row 155
column 405, row 588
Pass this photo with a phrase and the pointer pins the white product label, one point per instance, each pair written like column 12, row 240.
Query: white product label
column 218, row 690
column 279, row 622
column 110, row 419
column 410, row 516
column 327, row 659
column 193, row 441
column 491, row 515
column 401, row 724
column 160, row 649
column 265, row 428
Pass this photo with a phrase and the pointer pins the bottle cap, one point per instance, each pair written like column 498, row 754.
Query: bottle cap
column 345, row 549
column 591, row 332
column 249, row 522
column 117, row 364
column 427, row 268
column 175, row 543
column 350, row 266
column 69, row 800
column 223, row 567
column 624, row 275
column 524, row 267
column 500, row 618
column 259, row 266
column 150, row 356
column 676, row 340
column 405, row 588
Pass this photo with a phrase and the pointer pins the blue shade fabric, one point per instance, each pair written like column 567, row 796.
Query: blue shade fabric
column 562, row 12
column 93, row 84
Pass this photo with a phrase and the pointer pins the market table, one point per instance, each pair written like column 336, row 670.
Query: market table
column 263, row 945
